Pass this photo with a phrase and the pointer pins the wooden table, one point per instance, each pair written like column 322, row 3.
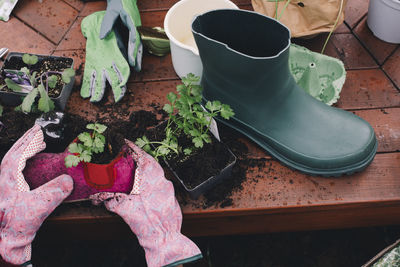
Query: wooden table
column 273, row 198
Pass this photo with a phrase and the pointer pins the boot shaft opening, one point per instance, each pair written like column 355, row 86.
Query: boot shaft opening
column 245, row 32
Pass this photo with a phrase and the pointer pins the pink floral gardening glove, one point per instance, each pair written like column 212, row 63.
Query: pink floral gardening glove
column 23, row 211
column 152, row 213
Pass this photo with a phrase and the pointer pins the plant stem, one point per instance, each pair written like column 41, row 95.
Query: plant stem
column 163, row 144
column 333, row 28
column 287, row 3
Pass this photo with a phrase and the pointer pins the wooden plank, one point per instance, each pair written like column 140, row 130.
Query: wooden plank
column 275, row 186
column 275, row 199
column 289, row 220
column 386, row 124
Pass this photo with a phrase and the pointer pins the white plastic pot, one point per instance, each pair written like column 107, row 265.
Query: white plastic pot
column 177, row 26
column 384, row 19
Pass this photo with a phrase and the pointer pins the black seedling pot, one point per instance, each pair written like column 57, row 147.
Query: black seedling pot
column 15, row 98
column 207, row 183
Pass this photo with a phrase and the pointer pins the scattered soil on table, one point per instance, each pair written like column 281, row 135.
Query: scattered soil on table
column 221, row 195
column 139, row 124
column 43, row 65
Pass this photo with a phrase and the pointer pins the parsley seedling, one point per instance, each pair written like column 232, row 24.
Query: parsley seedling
column 186, row 116
column 87, row 145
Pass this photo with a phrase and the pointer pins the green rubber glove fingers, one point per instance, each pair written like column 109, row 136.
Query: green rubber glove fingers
column 128, row 11
column 104, row 61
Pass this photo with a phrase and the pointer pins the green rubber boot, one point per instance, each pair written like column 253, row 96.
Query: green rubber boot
column 245, row 65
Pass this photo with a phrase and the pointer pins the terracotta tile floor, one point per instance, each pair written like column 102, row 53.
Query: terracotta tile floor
column 371, row 91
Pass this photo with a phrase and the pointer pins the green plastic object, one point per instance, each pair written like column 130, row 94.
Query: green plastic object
column 155, row 40
column 104, row 62
column 128, row 12
column 319, row 75
column 246, row 65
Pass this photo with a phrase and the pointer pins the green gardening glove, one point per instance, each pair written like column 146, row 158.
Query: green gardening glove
column 104, row 61
column 129, row 13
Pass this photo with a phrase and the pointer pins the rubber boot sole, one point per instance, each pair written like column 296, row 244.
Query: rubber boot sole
column 258, row 139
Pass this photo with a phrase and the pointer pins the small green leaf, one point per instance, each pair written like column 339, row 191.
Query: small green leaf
column 86, row 156
column 52, row 81
column 180, row 88
column 1, row 110
column 100, row 128
column 24, row 70
column 226, row 111
column 67, row 75
column 86, row 139
column 99, row 143
column 171, row 97
column 162, row 150
column 45, row 103
column 97, row 127
column 206, row 138
column 196, row 90
column 168, row 108
column 12, row 85
column 30, row 59
column 71, row 160
column 28, row 101
column 74, row 148
column 213, row 106
column 194, row 132
column 198, row 142
column 90, row 126
column 147, row 148
column 187, row 151
column 33, row 79
column 141, row 142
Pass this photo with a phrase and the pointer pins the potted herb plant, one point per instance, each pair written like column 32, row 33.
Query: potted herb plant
column 25, row 77
column 185, row 142
column 96, row 155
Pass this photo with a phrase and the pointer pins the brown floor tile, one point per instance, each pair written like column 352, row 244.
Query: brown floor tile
column 392, row 67
column 153, row 19
column 51, row 17
column 154, row 69
column 378, row 48
column 355, row 10
column 20, row 38
column 74, row 39
column 77, row 4
column 351, row 52
column 342, row 28
column 91, row 7
column 368, row 89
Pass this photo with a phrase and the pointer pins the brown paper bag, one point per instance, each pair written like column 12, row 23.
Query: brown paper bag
column 305, row 17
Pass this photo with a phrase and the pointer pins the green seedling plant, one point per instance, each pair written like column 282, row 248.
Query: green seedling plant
column 88, row 143
column 186, row 116
column 36, row 87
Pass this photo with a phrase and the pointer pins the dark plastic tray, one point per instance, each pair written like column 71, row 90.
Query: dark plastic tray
column 15, row 99
column 212, row 181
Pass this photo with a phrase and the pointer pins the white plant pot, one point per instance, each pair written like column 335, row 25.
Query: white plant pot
column 384, row 19
column 177, row 26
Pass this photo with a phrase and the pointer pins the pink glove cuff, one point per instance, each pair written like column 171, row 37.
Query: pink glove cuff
column 172, row 250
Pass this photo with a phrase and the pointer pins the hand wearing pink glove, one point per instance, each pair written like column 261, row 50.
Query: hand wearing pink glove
column 23, row 211
column 152, row 213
